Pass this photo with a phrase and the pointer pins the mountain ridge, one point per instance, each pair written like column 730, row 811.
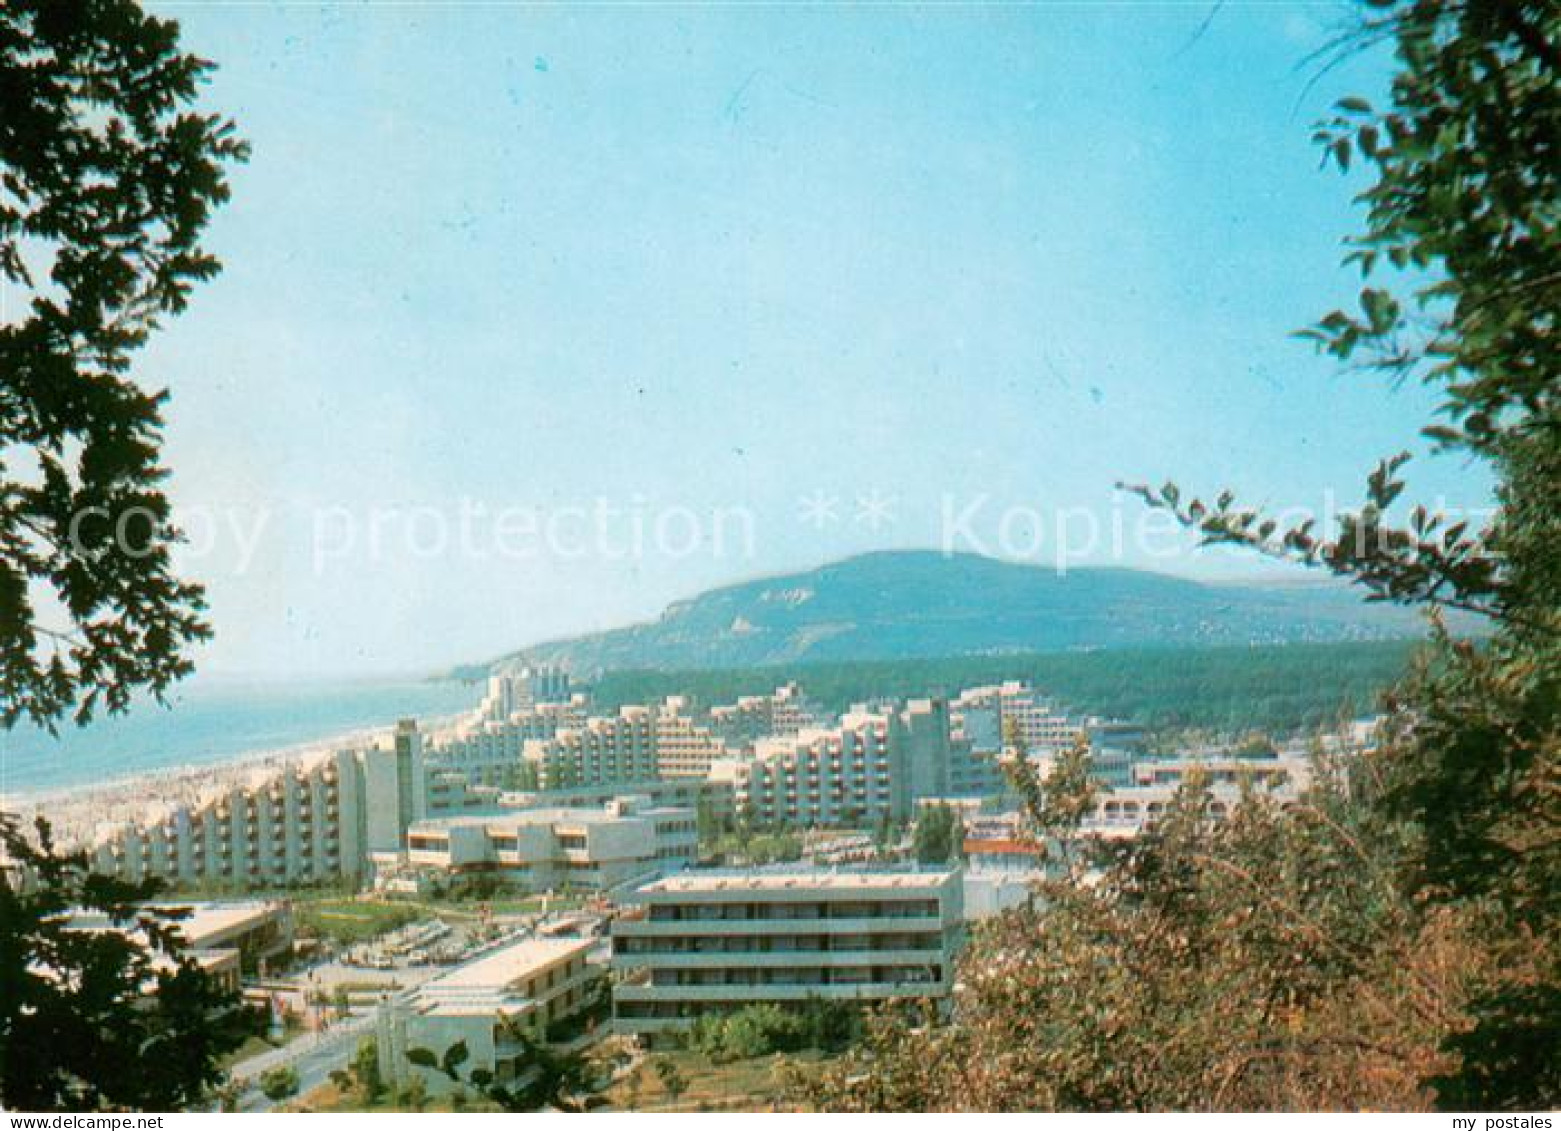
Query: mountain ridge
column 891, row 604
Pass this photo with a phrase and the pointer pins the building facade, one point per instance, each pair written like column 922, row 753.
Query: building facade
column 525, row 988
column 304, row 825
column 556, row 849
column 711, row 942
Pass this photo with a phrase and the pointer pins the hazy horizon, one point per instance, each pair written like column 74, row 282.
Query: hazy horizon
column 828, row 277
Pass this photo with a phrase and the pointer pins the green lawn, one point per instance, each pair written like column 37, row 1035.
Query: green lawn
column 349, row 921
column 468, row 907
column 252, row 1046
column 328, row 1098
column 742, row 1085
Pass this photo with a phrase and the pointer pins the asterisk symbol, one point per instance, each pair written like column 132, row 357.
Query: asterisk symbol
column 875, row 509
column 818, row 510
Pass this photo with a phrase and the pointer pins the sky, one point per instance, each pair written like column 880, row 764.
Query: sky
column 536, row 318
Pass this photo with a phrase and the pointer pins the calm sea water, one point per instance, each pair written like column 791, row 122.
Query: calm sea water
column 214, row 722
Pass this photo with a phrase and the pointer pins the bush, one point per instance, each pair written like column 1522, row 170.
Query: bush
column 761, row 1030
column 279, row 1084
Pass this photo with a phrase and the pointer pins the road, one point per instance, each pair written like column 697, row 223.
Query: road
column 313, row 1056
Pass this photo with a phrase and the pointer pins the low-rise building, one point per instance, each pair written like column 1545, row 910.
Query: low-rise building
column 704, row 942
column 519, row 991
column 629, row 838
column 224, row 939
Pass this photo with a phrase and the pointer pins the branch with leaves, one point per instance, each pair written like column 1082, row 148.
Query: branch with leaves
column 108, row 178
column 549, row 1078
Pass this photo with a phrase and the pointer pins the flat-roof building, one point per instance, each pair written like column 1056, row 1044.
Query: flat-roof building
column 627, row 839
column 519, row 990
column 225, row 939
column 716, row 941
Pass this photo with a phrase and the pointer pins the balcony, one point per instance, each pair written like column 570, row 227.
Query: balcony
column 875, row 925
column 779, row 959
column 827, row 991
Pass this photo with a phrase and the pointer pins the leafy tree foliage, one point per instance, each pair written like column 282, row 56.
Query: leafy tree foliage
column 1465, row 212
column 938, row 836
column 766, row 1028
column 101, row 1019
column 366, row 1078
column 1267, row 960
column 549, row 1077
column 279, row 1084
column 107, row 181
column 673, row 1082
column 413, row 1096
column 1391, row 940
column 1278, row 688
column 748, row 845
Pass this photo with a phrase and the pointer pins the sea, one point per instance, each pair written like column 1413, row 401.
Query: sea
column 214, row 721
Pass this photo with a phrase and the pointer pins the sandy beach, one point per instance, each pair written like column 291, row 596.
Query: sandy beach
column 81, row 814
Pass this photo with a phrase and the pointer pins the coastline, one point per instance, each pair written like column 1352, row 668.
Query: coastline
column 79, row 814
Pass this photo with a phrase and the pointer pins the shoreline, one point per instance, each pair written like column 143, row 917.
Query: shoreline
column 79, row 814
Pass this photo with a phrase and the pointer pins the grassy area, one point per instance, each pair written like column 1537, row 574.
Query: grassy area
column 348, row 921
column 252, row 1046
column 329, row 1098
column 742, row 1085
column 503, row 905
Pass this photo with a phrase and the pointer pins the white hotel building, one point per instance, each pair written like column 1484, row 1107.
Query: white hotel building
column 559, row 848
column 305, row 824
column 706, row 942
column 873, row 765
column 523, row 988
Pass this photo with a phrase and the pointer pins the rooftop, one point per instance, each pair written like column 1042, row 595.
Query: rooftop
column 206, row 921
column 555, row 815
column 796, row 880
column 510, row 964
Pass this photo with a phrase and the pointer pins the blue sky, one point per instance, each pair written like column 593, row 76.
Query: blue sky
column 673, row 257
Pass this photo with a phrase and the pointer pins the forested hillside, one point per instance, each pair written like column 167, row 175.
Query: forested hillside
column 908, row 603
column 1276, row 688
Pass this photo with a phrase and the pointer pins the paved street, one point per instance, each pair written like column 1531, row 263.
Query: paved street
column 313, row 1056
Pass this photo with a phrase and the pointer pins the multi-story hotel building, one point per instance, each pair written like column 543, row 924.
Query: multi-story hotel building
column 492, row 751
column 336, row 819
column 321, row 822
column 682, row 793
column 849, row 774
column 225, row 939
column 510, row 693
column 872, row 766
column 599, row 751
column 705, row 942
column 686, row 742
column 547, row 849
column 303, row 825
column 521, row 988
column 784, row 711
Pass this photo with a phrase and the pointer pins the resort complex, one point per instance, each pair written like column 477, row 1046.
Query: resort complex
column 649, row 872
column 710, row 942
column 539, row 791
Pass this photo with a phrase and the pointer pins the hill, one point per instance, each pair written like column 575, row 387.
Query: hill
column 897, row 605
column 1277, row 688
